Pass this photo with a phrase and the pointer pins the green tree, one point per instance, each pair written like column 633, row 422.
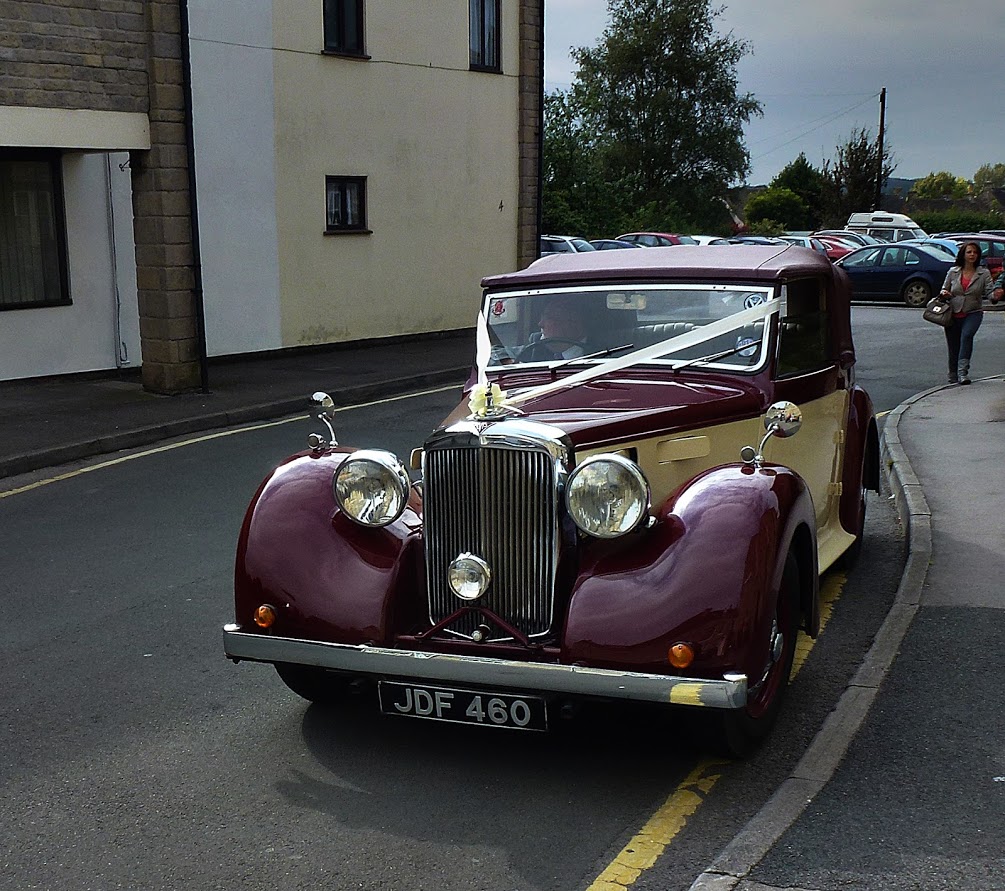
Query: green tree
column 850, row 180
column 989, row 176
column 657, row 98
column 940, row 185
column 807, row 182
column 781, row 205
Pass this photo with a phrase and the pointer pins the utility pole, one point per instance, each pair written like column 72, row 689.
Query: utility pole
column 879, row 148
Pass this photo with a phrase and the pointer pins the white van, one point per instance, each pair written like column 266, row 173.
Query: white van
column 885, row 226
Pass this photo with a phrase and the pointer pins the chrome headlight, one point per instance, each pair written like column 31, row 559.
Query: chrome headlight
column 607, row 496
column 371, row 487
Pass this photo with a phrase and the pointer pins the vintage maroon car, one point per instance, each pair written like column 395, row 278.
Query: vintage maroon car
column 620, row 511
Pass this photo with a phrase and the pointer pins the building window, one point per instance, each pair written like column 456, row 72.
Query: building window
column 344, row 26
column 345, row 204
column 32, row 231
column 483, row 23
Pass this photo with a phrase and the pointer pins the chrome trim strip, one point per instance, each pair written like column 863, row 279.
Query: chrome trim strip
column 728, row 693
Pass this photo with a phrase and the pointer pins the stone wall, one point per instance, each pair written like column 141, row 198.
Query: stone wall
column 123, row 56
column 531, row 91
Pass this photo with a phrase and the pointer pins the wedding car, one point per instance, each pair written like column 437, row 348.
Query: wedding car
column 636, row 506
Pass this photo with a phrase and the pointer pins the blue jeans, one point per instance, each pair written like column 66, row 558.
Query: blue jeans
column 960, row 341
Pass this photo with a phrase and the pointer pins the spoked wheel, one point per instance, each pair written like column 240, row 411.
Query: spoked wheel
column 314, row 684
column 917, row 293
column 743, row 729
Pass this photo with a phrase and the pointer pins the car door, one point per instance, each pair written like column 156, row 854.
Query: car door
column 894, row 265
column 862, row 267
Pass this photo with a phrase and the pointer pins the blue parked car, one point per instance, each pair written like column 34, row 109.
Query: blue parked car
column 908, row 272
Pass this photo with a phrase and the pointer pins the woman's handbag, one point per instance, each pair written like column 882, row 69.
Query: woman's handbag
column 937, row 311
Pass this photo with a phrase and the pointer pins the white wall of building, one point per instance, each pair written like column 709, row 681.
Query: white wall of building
column 100, row 330
column 233, row 118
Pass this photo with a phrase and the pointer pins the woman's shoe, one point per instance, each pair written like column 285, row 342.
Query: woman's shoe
column 952, row 379
column 965, row 379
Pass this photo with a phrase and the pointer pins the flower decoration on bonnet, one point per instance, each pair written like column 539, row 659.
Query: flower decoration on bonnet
column 488, row 401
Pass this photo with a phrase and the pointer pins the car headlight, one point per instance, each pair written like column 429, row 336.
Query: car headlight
column 607, row 496
column 371, row 487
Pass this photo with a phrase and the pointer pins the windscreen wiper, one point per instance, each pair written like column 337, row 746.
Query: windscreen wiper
column 720, row 355
column 597, row 355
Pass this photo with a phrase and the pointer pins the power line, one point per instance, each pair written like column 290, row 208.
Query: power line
column 821, row 122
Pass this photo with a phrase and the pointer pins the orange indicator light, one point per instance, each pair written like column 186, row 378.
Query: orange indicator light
column 265, row 616
column 681, row 655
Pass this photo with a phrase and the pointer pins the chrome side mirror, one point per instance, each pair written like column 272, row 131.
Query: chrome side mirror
column 782, row 419
column 324, row 406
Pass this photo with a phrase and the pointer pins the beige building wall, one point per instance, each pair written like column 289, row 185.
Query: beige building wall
column 438, row 144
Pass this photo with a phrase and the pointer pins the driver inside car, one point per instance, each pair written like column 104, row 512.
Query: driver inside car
column 562, row 334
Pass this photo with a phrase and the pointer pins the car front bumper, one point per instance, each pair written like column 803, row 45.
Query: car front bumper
column 478, row 671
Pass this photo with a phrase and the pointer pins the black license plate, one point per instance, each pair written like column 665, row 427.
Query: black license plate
column 463, row 706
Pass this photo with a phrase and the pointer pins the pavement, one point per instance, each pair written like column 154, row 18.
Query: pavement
column 904, row 785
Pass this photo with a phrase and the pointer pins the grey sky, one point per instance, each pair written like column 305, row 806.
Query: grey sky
column 817, row 69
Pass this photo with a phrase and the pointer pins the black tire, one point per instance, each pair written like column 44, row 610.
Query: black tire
column 742, row 730
column 916, row 293
column 314, row 684
column 850, row 557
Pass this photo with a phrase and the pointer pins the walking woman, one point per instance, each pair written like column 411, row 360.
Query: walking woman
column 966, row 286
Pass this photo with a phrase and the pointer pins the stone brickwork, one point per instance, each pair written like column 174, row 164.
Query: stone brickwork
column 123, row 56
column 73, row 54
column 531, row 97
column 162, row 220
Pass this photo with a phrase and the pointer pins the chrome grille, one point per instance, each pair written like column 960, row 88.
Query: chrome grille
column 498, row 503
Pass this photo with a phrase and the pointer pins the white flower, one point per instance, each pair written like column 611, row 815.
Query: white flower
column 483, row 396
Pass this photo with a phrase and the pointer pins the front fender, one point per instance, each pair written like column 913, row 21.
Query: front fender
column 328, row 578
column 705, row 573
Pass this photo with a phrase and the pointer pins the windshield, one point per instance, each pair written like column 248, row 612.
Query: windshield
column 591, row 324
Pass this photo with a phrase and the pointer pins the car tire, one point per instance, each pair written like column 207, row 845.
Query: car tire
column 850, row 557
column 314, row 684
column 916, row 293
column 742, row 730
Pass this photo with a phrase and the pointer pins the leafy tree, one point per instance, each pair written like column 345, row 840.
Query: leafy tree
column 940, row 185
column 989, row 176
column 657, row 104
column 807, row 182
column 778, row 204
column 850, row 180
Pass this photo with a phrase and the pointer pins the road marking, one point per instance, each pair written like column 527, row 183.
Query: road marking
column 655, row 837
column 193, row 441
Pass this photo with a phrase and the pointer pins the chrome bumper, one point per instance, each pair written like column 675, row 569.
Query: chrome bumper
column 480, row 671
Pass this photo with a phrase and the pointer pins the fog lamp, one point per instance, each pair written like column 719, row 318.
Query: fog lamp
column 468, row 576
column 681, row 655
column 265, row 616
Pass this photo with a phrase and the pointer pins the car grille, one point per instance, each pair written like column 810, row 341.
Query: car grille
column 500, row 504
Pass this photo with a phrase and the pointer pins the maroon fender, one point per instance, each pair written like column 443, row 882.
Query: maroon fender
column 328, row 578
column 861, row 459
column 705, row 573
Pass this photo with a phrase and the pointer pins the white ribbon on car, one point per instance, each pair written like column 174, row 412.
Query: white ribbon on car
column 655, row 351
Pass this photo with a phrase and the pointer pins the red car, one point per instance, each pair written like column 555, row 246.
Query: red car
column 992, row 248
column 656, row 239
column 618, row 509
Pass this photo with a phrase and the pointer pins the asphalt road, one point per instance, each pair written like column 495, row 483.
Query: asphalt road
column 134, row 755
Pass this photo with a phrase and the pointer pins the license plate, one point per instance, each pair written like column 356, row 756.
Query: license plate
column 463, row 706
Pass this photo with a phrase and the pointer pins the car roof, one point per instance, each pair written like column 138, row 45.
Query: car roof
column 767, row 263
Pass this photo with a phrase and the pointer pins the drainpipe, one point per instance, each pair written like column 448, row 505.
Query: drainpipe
column 193, row 198
column 540, row 139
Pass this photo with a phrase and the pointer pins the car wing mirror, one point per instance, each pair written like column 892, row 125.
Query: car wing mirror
column 782, row 419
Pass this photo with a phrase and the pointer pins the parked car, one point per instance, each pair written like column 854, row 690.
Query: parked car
column 656, row 239
column 709, row 239
column 635, row 524
column 993, row 232
column 833, row 248
column 885, row 226
column 908, row 272
column 756, row 239
column 852, row 238
column 943, row 245
column 992, row 248
column 564, row 244
column 612, row 244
